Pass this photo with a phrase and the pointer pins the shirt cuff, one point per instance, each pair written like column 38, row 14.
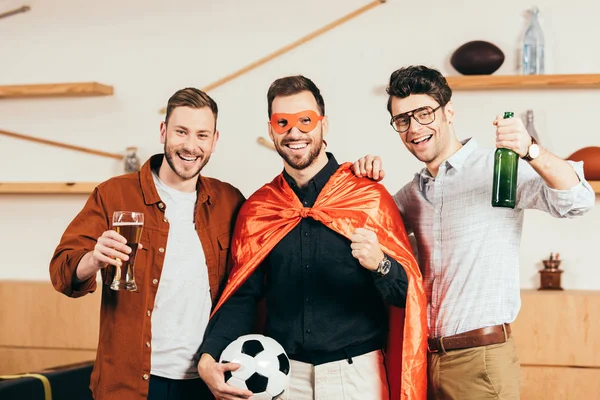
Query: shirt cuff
column 565, row 200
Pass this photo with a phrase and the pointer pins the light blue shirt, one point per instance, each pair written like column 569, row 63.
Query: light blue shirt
column 467, row 249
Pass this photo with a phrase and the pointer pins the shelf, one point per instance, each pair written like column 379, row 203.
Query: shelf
column 47, row 187
column 595, row 185
column 80, row 89
column 498, row 82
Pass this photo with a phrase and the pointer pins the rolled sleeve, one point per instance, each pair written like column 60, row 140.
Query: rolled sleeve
column 575, row 201
column 79, row 239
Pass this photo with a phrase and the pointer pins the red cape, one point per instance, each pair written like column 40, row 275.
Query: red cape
column 345, row 204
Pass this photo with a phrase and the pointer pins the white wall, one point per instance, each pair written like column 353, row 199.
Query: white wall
column 149, row 49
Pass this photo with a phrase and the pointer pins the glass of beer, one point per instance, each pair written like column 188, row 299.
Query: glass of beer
column 128, row 224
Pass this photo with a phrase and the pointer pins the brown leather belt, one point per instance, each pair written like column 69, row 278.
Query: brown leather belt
column 478, row 337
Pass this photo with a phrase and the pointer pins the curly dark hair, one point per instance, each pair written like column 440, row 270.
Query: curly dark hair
column 418, row 79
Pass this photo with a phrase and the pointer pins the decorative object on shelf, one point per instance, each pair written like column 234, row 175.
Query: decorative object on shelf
column 477, row 58
column 591, row 161
column 531, row 127
column 289, row 47
column 132, row 162
column 550, row 275
column 533, row 46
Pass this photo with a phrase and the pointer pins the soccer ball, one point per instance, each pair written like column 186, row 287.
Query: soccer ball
column 264, row 366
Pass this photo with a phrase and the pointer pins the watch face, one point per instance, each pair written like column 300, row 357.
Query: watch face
column 534, row 151
column 385, row 266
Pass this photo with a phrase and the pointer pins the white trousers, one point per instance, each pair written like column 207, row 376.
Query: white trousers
column 363, row 379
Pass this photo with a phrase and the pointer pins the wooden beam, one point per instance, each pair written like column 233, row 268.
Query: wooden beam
column 289, row 47
column 47, row 187
column 80, row 89
column 62, row 145
column 16, row 11
column 264, row 142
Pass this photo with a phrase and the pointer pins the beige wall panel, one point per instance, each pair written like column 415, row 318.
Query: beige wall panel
column 559, row 328
column 33, row 314
column 559, row 383
column 16, row 361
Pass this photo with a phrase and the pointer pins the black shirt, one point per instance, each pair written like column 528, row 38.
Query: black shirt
column 319, row 298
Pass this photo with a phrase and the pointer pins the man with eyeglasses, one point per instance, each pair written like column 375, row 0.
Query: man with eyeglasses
column 468, row 250
column 329, row 254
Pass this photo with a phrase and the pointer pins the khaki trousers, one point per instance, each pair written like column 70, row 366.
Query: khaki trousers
column 364, row 379
column 478, row 373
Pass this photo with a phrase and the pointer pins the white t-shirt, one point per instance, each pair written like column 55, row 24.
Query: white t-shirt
column 182, row 306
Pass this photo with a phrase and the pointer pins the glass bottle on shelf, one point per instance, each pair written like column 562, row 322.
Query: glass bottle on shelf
column 533, row 46
column 530, row 126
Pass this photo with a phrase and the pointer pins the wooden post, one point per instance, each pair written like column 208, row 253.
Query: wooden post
column 289, row 47
column 62, row 145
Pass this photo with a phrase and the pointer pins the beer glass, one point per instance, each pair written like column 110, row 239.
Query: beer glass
column 128, row 224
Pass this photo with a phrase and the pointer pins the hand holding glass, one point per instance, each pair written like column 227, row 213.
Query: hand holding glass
column 128, row 224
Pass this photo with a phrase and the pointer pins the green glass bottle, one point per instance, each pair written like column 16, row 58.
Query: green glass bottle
column 506, row 163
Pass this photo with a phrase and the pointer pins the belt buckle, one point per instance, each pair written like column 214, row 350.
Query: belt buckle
column 429, row 348
column 441, row 342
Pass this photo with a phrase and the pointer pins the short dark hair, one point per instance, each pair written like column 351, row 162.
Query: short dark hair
column 418, row 79
column 193, row 98
column 290, row 85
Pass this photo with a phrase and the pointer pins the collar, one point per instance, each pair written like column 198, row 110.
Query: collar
column 456, row 160
column 149, row 188
column 321, row 178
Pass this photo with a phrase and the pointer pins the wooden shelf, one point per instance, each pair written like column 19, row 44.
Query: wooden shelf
column 79, row 89
column 47, row 187
column 499, row 82
column 595, row 185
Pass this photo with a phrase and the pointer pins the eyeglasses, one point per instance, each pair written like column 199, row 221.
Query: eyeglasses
column 423, row 115
column 305, row 121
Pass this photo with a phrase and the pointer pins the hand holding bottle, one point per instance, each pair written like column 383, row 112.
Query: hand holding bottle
column 511, row 134
column 506, row 163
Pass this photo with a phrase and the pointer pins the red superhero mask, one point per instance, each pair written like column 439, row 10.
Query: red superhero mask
column 305, row 121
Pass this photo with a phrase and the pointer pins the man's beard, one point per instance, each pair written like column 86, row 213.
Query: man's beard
column 306, row 161
column 184, row 174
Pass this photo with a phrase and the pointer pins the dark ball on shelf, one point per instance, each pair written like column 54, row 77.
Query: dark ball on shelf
column 477, row 58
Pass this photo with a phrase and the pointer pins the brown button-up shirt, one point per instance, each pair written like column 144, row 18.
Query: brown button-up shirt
column 122, row 366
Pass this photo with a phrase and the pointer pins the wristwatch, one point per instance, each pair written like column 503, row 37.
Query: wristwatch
column 384, row 266
column 533, row 151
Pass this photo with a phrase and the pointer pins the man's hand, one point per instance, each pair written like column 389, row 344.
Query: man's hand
column 369, row 167
column 110, row 249
column 366, row 249
column 511, row 134
column 213, row 374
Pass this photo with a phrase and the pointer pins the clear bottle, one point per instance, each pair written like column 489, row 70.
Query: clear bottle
column 533, row 46
column 506, row 162
column 530, row 126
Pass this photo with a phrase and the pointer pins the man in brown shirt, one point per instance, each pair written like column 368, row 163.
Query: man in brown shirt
column 149, row 338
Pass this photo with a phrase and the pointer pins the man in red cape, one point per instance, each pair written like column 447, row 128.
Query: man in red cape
column 344, row 205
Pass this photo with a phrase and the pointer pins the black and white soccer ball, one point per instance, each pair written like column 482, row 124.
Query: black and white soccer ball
column 264, row 366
